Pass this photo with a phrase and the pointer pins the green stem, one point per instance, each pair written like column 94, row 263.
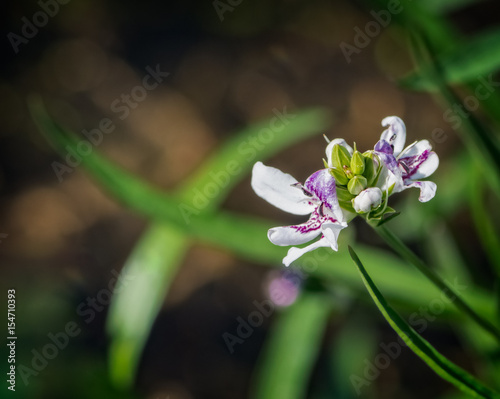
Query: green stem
column 407, row 254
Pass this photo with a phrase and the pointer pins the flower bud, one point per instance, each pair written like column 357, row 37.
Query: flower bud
column 357, row 163
column 340, row 157
column 348, row 172
column 356, row 185
column 339, row 175
column 367, row 200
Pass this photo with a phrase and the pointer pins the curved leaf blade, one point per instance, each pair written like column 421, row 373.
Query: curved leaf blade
column 478, row 56
column 422, row 348
column 148, row 272
column 292, row 348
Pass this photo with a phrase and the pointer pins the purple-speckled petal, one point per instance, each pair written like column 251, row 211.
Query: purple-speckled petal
column 395, row 134
column 418, row 161
column 295, row 253
column 322, row 185
column 299, row 234
column 427, row 189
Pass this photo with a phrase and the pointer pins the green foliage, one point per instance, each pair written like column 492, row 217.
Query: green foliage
column 478, row 56
column 291, row 350
column 441, row 366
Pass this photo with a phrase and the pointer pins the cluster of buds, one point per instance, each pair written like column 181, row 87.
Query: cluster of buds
column 356, row 175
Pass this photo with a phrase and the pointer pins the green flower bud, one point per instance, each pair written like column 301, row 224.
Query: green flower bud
column 357, row 163
column 348, row 172
column 340, row 157
column 339, row 175
column 357, row 184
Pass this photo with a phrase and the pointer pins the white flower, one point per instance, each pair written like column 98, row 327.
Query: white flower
column 367, row 200
column 316, row 197
column 405, row 167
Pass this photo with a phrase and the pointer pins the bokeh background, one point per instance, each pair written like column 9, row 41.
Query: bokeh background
column 64, row 240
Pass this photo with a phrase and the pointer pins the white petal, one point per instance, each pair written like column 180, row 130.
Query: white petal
column 329, row 149
column 276, row 188
column 295, row 253
column 367, row 200
column 395, row 134
column 427, row 190
column 293, row 235
column 331, row 232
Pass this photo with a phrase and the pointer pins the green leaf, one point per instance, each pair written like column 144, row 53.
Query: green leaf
column 478, row 56
column 483, row 220
column 291, row 350
column 146, row 275
column 388, row 218
column 445, row 6
column 355, row 342
column 482, row 143
column 437, row 362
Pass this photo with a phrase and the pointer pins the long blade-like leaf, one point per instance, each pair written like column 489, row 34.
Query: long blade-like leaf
column 437, row 362
column 291, row 350
column 478, row 56
column 147, row 274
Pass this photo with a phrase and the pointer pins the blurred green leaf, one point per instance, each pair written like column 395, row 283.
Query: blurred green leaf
column 480, row 141
column 147, row 275
column 482, row 218
column 437, row 362
column 446, row 6
column 441, row 36
column 291, row 350
column 355, row 343
column 478, row 56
